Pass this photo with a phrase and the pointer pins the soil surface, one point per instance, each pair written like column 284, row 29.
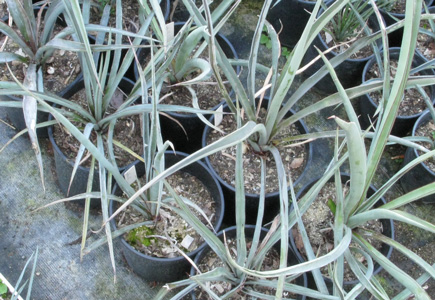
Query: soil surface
column 425, row 43
column 412, row 103
column 170, row 229
column 211, row 261
column 59, row 70
column 130, row 19
column 293, row 157
column 317, row 221
column 127, row 132
column 427, row 130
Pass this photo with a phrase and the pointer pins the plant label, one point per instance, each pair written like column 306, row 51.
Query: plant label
column 130, row 175
column 218, row 117
column 187, row 241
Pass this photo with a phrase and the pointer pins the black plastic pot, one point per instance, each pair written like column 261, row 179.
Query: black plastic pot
column 348, row 72
column 293, row 16
column 272, row 205
column 171, row 269
column 402, row 124
column 421, row 174
column 395, row 37
column 387, row 225
column 15, row 115
column 189, row 139
column 231, row 233
column 64, row 165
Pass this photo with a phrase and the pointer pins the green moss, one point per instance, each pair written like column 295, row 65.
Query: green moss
column 140, row 236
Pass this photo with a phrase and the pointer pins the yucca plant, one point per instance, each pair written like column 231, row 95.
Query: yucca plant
column 351, row 211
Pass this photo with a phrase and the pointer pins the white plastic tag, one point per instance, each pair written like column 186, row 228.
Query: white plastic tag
column 130, row 175
column 219, row 116
column 187, row 241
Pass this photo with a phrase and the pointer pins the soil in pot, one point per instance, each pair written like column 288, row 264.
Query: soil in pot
column 59, row 70
column 427, row 130
column 393, row 12
column 130, row 16
column 207, row 260
column 155, row 240
column 317, row 220
column 294, row 158
column 412, row 102
column 127, row 132
column 426, row 43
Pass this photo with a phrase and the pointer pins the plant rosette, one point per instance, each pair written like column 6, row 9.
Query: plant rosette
column 222, row 164
column 349, row 70
column 162, row 239
column 423, row 173
column 66, row 147
column 412, row 104
column 393, row 11
column 184, row 130
column 58, row 71
column 207, row 260
column 317, row 220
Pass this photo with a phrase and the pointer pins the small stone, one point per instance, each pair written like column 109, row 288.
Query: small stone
column 77, row 69
column 66, row 73
column 38, row 273
column 62, row 52
column 50, row 70
column 15, row 63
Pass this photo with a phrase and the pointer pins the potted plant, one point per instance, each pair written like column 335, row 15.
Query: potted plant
column 412, row 104
column 393, row 11
column 355, row 209
column 185, row 87
column 278, row 83
column 152, row 250
column 33, row 54
column 354, row 21
column 320, row 216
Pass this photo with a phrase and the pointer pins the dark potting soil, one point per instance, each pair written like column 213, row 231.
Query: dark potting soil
column 127, row 132
column 293, row 156
column 427, row 130
column 211, row 261
column 317, row 220
column 169, row 228
column 412, row 103
column 59, row 70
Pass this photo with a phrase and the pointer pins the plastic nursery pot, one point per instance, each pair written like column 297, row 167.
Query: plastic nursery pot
column 402, row 124
column 348, row 72
column 292, row 16
column 231, row 233
column 64, row 165
column 170, row 269
column 395, row 37
column 15, row 115
column 272, row 205
column 387, row 228
column 189, row 139
column 421, row 174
